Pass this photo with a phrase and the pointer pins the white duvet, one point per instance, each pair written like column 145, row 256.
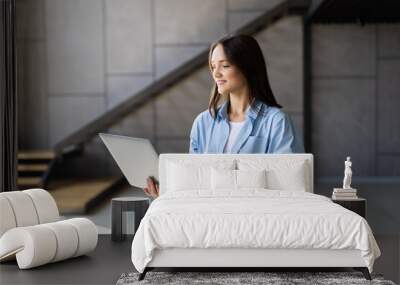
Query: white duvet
column 252, row 218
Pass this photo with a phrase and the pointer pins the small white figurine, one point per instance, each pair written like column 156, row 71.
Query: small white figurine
column 347, row 174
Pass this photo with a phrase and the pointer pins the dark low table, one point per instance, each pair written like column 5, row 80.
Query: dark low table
column 119, row 205
column 356, row 205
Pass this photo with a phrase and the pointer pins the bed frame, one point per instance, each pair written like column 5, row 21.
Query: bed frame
column 242, row 259
column 246, row 258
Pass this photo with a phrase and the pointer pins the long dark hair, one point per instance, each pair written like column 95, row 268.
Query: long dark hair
column 244, row 52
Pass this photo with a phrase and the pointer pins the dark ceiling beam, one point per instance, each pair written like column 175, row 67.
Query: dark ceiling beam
column 358, row 11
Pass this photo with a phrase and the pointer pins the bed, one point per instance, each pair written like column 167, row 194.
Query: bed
column 245, row 211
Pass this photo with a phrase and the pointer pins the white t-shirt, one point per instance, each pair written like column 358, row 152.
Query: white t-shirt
column 234, row 129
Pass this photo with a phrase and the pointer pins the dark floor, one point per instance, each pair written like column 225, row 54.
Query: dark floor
column 111, row 259
column 103, row 266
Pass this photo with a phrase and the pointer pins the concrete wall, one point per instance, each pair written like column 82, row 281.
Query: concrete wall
column 356, row 88
column 79, row 58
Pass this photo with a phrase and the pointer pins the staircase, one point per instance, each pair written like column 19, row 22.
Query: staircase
column 78, row 196
column 72, row 196
column 34, row 167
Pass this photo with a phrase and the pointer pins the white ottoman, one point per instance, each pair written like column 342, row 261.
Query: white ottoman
column 31, row 233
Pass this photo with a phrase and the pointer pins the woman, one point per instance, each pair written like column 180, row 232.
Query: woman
column 243, row 115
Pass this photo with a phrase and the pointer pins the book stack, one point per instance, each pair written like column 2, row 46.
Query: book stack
column 344, row 194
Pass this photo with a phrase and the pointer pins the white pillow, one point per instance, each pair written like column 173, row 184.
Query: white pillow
column 281, row 174
column 292, row 179
column 223, row 179
column 237, row 179
column 187, row 175
column 251, row 178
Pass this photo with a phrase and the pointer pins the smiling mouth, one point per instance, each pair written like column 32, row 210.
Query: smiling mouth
column 220, row 82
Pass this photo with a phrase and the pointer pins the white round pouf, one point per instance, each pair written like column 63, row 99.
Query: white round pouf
column 40, row 244
column 23, row 208
column 67, row 240
column 7, row 218
column 46, row 207
column 33, row 246
column 31, row 233
column 87, row 234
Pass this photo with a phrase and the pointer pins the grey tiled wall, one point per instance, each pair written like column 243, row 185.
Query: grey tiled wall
column 80, row 58
column 356, row 97
column 189, row 21
column 282, row 45
column 128, row 35
column 74, row 47
column 343, row 124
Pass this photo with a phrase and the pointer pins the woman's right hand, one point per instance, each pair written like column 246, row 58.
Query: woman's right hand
column 152, row 188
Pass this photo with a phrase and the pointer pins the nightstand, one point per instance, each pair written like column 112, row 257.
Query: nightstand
column 358, row 205
column 119, row 205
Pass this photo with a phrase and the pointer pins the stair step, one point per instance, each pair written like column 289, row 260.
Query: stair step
column 75, row 197
column 32, row 167
column 36, row 154
column 26, row 182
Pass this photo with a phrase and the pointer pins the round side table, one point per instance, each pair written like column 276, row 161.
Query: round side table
column 138, row 205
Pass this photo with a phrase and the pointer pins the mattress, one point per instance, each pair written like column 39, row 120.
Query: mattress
column 250, row 219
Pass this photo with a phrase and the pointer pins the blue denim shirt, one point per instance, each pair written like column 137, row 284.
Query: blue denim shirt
column 266, row 130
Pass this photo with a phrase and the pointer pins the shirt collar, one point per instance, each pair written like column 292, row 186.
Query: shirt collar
column 252, row 110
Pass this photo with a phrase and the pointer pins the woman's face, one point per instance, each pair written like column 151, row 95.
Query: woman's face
column 229, row 78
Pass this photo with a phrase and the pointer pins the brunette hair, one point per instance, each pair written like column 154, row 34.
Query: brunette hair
column 244, row 52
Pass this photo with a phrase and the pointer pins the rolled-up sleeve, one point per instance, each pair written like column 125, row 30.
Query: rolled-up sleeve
column 283, row 136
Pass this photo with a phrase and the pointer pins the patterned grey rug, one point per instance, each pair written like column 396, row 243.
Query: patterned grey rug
column 270, row 278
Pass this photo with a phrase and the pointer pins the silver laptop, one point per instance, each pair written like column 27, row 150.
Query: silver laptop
column 136, row 157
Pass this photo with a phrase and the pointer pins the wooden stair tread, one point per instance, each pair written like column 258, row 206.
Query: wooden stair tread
column 73, row 197
column 36, row 154
column 29, row 181
column 32, row 167
column 36, row 160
